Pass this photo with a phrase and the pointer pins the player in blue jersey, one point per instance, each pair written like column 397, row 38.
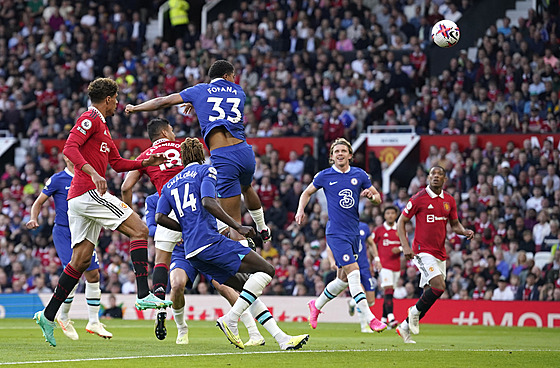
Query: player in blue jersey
column 191, row 195
column 182, row 273
column 343, row 185
column 219, row 106
column 367, row 252
column 57, row 187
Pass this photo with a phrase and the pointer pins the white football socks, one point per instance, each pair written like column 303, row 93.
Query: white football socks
column 93, row 298
column 331, row 291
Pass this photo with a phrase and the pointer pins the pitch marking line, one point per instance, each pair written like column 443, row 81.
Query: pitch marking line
column 271, row 352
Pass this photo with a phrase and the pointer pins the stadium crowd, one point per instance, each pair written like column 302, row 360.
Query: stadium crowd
column 304, row 75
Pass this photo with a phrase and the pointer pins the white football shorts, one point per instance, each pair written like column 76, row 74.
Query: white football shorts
column 165, row 238
column 91, row 211
column 429, row 267
column 389, row 278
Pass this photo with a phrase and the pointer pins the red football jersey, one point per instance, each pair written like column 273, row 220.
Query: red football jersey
column 90, row 138
column 160, row 175
column 386, row 238
column 432, row 213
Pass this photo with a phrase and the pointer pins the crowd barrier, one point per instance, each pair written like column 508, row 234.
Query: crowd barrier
column 294, row 309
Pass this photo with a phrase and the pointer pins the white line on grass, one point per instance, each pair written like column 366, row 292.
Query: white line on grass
column 275, row 352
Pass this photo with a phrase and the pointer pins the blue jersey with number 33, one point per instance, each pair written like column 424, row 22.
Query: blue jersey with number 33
column 184, row 193
column 218, row 103
column 343, row 195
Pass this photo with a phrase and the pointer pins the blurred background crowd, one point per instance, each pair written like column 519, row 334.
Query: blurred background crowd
column 322, row 69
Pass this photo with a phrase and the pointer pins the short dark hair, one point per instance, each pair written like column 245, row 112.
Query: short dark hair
column 439, row 167
column 220, row 68
column 101, row 88
column 394, row 208
column 155, row 126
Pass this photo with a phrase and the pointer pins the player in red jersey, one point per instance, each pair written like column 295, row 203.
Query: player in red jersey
column 161, row 134
column 91, row 208
column 389, row 249
column 433, row 208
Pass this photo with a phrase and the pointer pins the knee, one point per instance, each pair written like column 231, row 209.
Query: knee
column 141, row 232
column 269, row 270
column 80, row 264
column 92, row 277
column 177, row 284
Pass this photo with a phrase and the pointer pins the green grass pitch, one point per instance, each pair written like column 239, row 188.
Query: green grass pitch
column 331, row 345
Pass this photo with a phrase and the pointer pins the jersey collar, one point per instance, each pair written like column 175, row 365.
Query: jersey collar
column 192, row 163
column 99, row 112
column 338, row 170
column 68, row 172
column 432, row 194
column 387, row 227
column 216, row 79
column 159, row 141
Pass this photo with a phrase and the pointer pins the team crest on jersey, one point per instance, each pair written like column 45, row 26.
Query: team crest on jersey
column 431, row 269
column 346, row 258
column 123, row 205
column 354, row 181
column 86, row 124
column 446, row 206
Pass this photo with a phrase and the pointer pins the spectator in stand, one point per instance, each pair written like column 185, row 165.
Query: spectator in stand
column 529, row 291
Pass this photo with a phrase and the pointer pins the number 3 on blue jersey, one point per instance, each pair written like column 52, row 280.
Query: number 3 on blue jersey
column 221, row 113
column 188, row 200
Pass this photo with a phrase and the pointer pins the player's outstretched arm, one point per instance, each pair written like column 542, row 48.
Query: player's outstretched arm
column 459, row 229
column 155, row 104
column 372, row 251
column 129, row 182
column 303, row 201
column 33, row 223
column 212, row 206
column 408, row 253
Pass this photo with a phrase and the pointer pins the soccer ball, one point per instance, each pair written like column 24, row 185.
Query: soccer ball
column 445, row 33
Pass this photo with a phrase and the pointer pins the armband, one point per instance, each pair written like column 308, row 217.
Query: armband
column 400, row 248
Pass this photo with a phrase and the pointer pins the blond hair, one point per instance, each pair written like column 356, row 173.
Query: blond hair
column 192, row 151
column 336, row 142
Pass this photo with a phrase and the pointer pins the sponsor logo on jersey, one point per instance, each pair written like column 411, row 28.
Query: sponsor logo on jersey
column 433, row 218
column 68, row 187
column 346, row 258
column 332, row 182
column 430, row 206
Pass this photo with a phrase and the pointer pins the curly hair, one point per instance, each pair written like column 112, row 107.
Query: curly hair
column 192, row 151
column 336, row 143
column 101, row 88
column 220, row 68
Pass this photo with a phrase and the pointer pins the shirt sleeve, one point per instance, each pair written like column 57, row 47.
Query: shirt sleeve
column 49, row 187
column 151, row 205
column 208, row 185
column 120, row 164
column 366, row 180
column 453, row 212
column 187, row 94
column 318, row 180
column 410, row 209
column 163, row 205
column 80, row 133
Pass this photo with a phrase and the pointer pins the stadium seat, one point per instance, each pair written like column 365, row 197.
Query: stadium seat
column 542, row 258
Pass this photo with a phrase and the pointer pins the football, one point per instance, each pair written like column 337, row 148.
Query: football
column 445, row 33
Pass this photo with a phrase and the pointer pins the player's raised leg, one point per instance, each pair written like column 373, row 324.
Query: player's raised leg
column 261, row 275
column 254, row 206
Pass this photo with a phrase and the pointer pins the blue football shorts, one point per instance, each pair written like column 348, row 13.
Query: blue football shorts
column 236, row 167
